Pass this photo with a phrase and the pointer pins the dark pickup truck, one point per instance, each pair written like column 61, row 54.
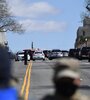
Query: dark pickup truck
column 85, row 53
column 74, row 53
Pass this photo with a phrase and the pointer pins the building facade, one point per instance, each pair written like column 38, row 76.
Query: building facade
column 83, row 34
column 3, row 39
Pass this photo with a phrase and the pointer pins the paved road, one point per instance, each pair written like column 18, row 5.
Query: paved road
column 39, row 83
column 85, row 75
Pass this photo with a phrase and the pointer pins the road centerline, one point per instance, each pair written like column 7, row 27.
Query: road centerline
column 25, row 80
column 28, row 83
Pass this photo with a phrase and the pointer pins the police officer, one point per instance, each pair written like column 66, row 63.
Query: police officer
column 66, row 81
column 25, row 57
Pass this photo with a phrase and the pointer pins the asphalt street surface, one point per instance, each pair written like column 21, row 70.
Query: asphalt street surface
column 35, row 79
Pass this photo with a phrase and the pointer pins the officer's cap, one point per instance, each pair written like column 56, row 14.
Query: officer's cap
column 68, row 73
column 69, row 63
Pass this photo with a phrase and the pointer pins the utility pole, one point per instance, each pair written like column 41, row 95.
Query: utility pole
column 86, row 40
column 32, row 45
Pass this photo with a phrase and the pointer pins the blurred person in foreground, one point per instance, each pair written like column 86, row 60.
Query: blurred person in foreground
column 7, row 80
column 66, row 81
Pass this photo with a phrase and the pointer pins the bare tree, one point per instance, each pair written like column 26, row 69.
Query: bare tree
column 7, row 21
column 87, row 3
column 85, row 15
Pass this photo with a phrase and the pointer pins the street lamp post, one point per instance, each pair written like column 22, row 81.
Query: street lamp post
column 86, row 41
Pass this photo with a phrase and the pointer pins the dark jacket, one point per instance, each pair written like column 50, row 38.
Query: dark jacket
column 76, row 96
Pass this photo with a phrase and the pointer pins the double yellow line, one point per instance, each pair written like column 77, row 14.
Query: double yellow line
column 26, row 83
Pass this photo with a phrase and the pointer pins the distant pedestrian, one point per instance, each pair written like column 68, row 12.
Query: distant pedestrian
column 31, row 54
column 25, row 57
column 7, row 80
column 66, row 81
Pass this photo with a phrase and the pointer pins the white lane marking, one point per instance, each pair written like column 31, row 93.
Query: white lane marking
column 82, row 62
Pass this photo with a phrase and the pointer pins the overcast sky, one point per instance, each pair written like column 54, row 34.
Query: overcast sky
column 50, row 24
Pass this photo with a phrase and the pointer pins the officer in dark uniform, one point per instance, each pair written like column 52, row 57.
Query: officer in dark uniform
column 66, row 81
column 31, row 55
column 25, row 57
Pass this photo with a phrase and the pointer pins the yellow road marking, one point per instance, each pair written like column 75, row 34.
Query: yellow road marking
column 28, row 83
column 25, row 79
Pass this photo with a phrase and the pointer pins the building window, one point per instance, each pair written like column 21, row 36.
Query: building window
column 83, row 33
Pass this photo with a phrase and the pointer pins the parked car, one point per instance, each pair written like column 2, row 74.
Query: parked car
column 65, row 53
column 85, row 53
column 46, row 52
column 38, row 55
column 20, row 56
column 75, row 53
column 56, row 53
column 72, row 52
column 78, row 53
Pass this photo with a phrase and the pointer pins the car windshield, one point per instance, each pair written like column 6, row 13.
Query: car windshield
column 38, row 52
column 65, row 51
column 56, row 51
column 20, row 53
column 86, row 48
